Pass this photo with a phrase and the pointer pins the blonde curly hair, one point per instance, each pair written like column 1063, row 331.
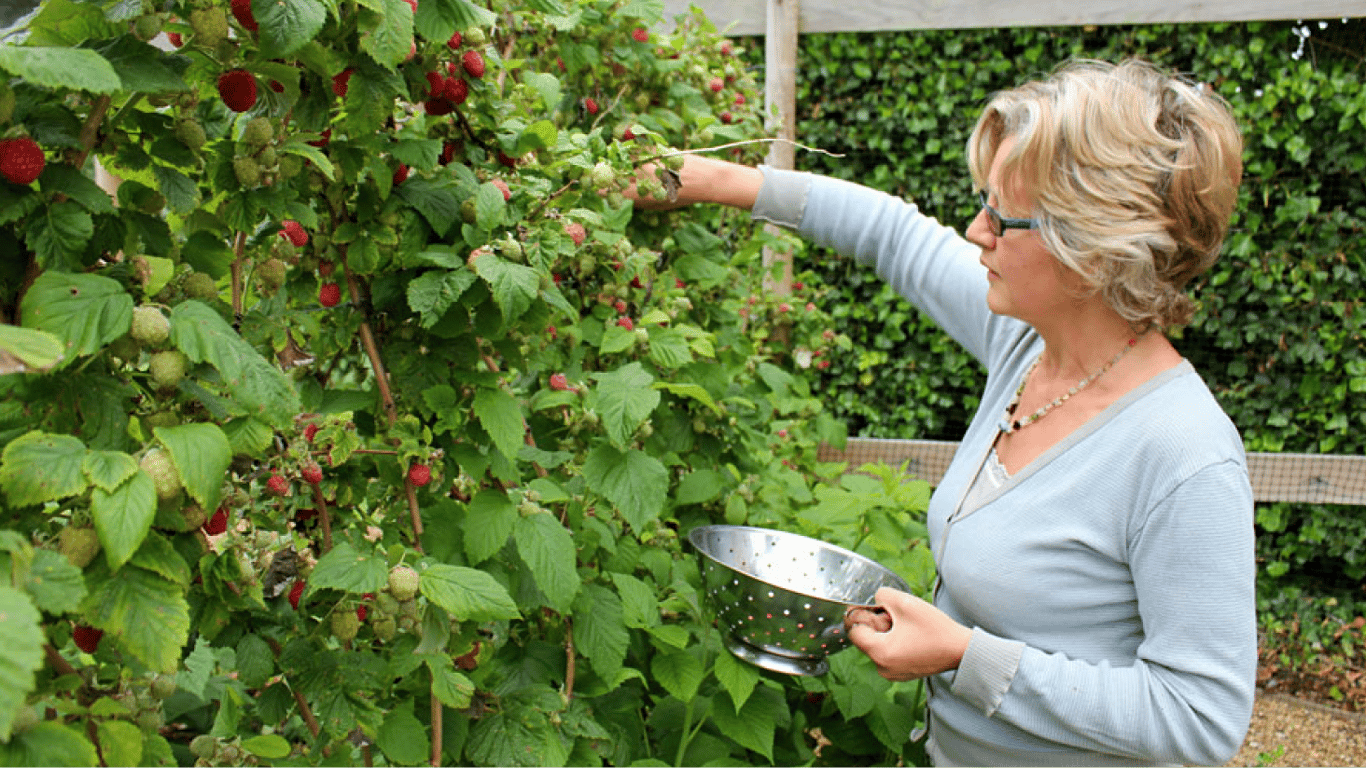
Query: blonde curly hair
column 1132, row 174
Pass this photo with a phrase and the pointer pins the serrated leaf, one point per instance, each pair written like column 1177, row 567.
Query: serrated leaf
column 285, row 27
column 694, row 391
column 669, row 348
column 349, row 571
column 120, row 743
column 158, row 555
column 49, row 743
column 679, row 672
column 548, row 550
column 142, row 67
column 146, row 614
column 737, row 677
column 77, row 69
column 69, row 181
column 38, row 467
column 386, row 31
column 754, row 724
column 437, row 19
column 432, row 293
column 311, row 153
column 467, row 594
column 21, row 635
column 501, row 416
column 639, row 604
column 59, row 235
column 624, row 399
column 181, row 192
column 599, row 630
column 402, row 738
column 489, row 206
column 85, row 311
column 28, row 350
column 435, row 200
column 635, row 482
column 616, row 339
column 201, row 453
column 56, row 586
column 699, row 486
column 108, row 469
column 547, row 85
column 489, row 520
column 204, row 336
column 124, row 516
column 255, row 661
column 270, row 746
column 449, row 687
column 539, row 135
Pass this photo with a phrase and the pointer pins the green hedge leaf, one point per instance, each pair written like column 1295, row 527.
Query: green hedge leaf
column 79, row 69
column 348, row 570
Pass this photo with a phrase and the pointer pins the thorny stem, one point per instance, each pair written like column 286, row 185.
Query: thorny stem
column 437, row 716
column 239, row 249
column 367, row 340
column 549, row 199
column 305, row 711
column 324, row 515
column 91, row 128
column 415, row 513
column 569, row 659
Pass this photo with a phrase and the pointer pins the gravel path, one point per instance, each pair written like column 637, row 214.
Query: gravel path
column 1287, row 731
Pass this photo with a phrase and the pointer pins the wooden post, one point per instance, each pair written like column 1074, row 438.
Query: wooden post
column 780, row 113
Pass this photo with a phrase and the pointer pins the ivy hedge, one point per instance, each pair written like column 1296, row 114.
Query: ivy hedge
column 1279, row 331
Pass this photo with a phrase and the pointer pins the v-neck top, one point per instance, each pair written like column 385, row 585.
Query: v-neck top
column 1110, row 583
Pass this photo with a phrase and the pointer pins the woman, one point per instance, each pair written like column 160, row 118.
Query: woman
column 1093, row 535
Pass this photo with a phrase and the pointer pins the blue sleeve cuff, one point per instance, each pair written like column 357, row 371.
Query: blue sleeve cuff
column 782, row 198
column 986, row 670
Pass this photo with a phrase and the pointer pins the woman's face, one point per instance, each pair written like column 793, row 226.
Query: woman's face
column 1026, row 281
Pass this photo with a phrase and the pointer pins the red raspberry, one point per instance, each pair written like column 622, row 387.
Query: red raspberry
column 87, row 638
column 310, row 432
column 237, row 87
column 739, row 99
column 576, row 232
column 448, row 152
column 456, row 90
column 559, row 382
column 641, row 35
column 400, row 174
column 21, row 160
column 454, row 42
column 438, row 106
column 342, row 81
column 716, row 84
column 620, row 306
column 277, row 484
column 727, row 118
column 419, row 475
column 175, row 39
column 473, row 62
column 329, row 295
column 312, row 474
column 294, row 231
column 591, row 105
column 361, row 612
column 241, row 10
column 412, row 4
column 323, row 139
column 625, row 322
column 502, row 187
column 218, row 523
column 436, row 84
column 296, row 592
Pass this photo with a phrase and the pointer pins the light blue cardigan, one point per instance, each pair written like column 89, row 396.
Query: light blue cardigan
column 1110, row 584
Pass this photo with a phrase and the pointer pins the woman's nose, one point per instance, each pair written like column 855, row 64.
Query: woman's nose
column 979, row 232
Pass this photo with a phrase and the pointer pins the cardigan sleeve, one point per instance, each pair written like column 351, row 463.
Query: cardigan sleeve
column 927, row 263
column 1188, row 696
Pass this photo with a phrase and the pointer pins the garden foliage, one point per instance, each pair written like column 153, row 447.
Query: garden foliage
column 365, row 423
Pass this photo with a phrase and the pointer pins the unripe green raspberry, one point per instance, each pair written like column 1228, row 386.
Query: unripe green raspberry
column 194, row 516
column 204, row 746
column 290, row 166
column 271, row 274
column 149, row 326
column 157, row 463
column 199, row 285
column 602, row 175
column 191, row 134
column 267, row 158
column 386, row 604
column 147, row 26
column 168, row 368
column 345, row 624
column 80, row 545
column 258, row 132
column 248, row 171
column 163, row 686
column 386, row 628
column 475, row 36
column 210, row 26
column 403, row 583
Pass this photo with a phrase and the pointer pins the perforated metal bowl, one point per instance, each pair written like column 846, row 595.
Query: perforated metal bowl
column 780, row 598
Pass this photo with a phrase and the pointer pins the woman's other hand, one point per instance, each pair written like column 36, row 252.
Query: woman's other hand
column 908, row 639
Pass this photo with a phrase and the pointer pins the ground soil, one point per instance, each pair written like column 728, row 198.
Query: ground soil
column 1293, row 731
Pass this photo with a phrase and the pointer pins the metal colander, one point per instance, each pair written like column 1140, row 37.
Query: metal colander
column 780, row 598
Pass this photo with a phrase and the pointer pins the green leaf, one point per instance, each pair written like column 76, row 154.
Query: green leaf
column 599, row 630
column 488, row 524
column 386, row 31
column 754, row 724
column 77, row 69
column 201, row 453
column 639, row 604
column 616, row 339
column 679, row 672
column 143, row 67
column 124, row 516
column 437, row 19
column 159, row 556
column 489, row 206
column 435, row 200
column 270, row 746
column 120, row 743
column 285, row 27
column 108, row 469
column 694, row 391
column 624, row 398
column 56, row 586
column 38, row 467
column 635, row 482
column 204, row 336
column 449, row 687
column 321, row 161
column 501, row 415
column 545, row 84
column 432, row 293
column 467, row 594
column 548, row 550
column 419, row 154
column 255, row 661
column 49, row 743
column 85, row 311
column 58, row 236
column 514, row 287
column 25, row 350
column 350, row 571
column 21, row 635
column 67, row 180
column 539, row 135
column 670, row 348
column 737, row 677
column 402, row 738
column 145, row 613
column 699, row 486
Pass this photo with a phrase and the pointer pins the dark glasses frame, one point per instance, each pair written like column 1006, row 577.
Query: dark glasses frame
column 999, row 224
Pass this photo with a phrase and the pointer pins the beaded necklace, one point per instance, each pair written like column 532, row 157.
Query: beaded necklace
column 1009, row 424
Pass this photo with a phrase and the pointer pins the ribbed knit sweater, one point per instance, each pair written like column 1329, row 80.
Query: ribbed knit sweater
column 1110, row 583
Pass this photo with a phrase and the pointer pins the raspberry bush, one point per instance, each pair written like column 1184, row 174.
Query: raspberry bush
column 361, row 423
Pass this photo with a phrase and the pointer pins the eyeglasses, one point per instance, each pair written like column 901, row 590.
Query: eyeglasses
column 999, row 224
